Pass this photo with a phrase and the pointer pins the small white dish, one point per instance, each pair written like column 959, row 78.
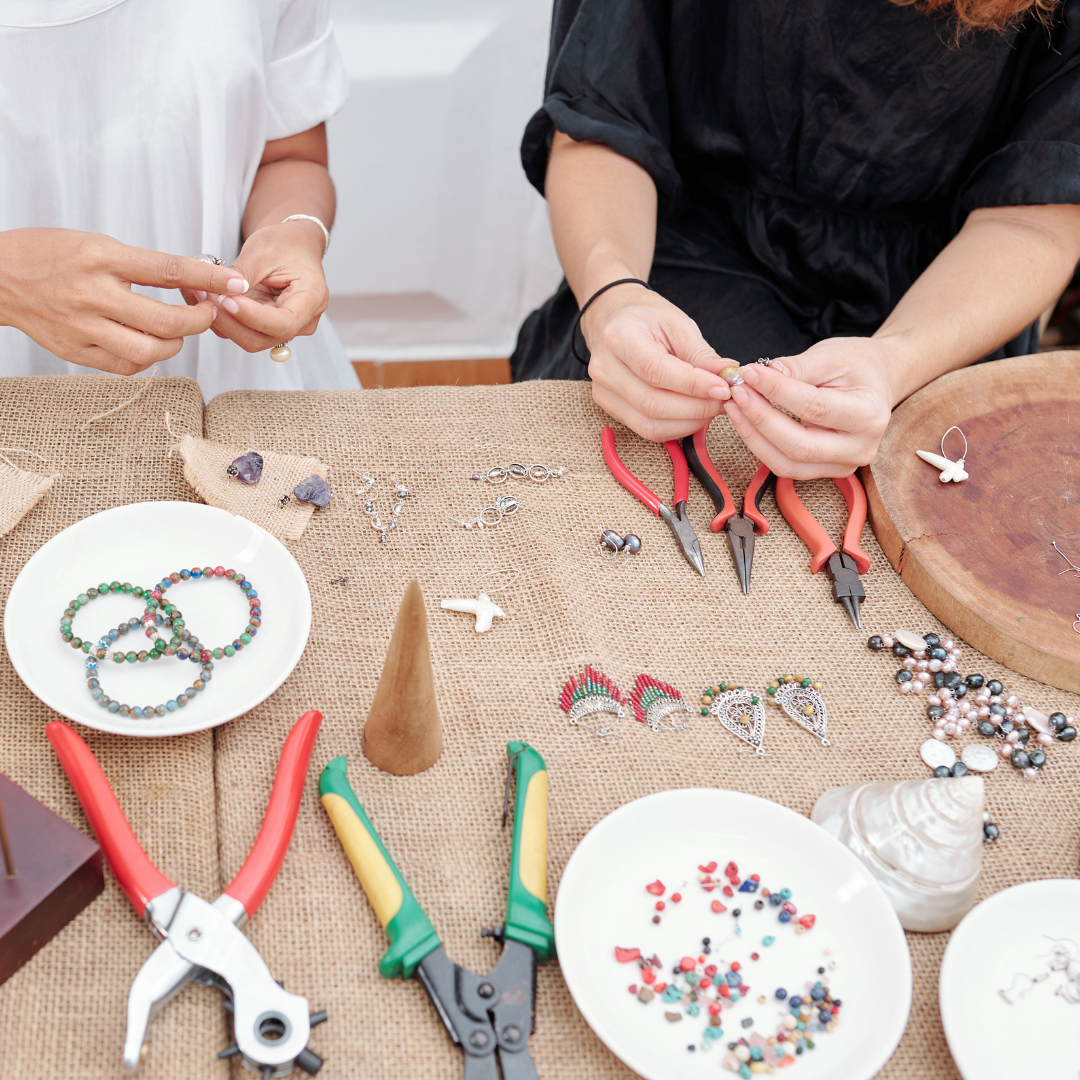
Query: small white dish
column 602, row 903
column 141, row 543
column 1003, row 950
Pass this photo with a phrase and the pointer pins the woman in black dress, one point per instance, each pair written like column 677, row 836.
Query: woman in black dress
column 871, row 191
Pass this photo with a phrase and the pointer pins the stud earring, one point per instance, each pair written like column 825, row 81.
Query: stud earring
column 799, row 697
column 739, row 711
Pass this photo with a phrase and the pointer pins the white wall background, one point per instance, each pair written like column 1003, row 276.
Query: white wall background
column 441, row 246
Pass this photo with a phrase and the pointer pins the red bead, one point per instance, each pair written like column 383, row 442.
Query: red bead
column 755, row 877
column 724, row 990
column 676, row 897
column 730, row 869
column 659, row 987
column 660, row 905
column 656, row 888
column 710, row 971
column 736, row 966
column 633, row 988
column 728, row 891
column 708, row 868
column 714, row 1009
column 807, row 922
column 648, row 975
column 717, row 907
column 624, row 956
column 789, row 907
column 219, row 571
column 687, row 963
column 754, row 956
column 206, row 655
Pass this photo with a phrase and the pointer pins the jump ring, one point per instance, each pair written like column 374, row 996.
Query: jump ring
column 496, row 475
column 493, row 510
column 535, row 475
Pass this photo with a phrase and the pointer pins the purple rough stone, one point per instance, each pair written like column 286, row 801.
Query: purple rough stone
column 249, row 467
column 314, row 490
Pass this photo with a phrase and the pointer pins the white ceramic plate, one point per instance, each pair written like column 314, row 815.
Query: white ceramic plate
column 141, row 543
column 1004, row 944
column 602, row 903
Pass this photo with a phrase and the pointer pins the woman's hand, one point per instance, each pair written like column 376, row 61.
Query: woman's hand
column 840, row 390
column 650, row 366
column 71, row 292
column 288, row 290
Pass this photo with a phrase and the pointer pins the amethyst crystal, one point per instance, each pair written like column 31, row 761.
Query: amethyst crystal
column 248, row 467
column 314, row 490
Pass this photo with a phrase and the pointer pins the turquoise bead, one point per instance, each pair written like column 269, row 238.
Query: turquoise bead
column 172, row 705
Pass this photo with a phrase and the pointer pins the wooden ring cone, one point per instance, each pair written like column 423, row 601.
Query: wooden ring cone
column 403, row 734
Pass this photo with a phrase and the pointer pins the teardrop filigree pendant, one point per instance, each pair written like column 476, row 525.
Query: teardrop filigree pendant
column 806, row 707
column 743, row 715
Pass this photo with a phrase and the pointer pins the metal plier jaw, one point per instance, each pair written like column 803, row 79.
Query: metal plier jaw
column 847, row 587
column 684, row 534
column 203, row 943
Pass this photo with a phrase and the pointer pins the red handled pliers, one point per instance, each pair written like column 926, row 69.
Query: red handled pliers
column 843, row 564
column 742, row 526
column 677, row 520
column 202, row 942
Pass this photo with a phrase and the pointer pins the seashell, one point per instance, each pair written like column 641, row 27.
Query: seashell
column 921, row 840
column 1038, row 720
column 935, row 753
column 909, row 640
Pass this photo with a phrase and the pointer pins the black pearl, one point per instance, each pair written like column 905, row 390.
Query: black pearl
column 903, row 675
column 1067, row 734
column 611, row 540
column 990, row 831
column 939, row 679
column 876, row 643
column 997, row 710
column 995, row 687
column 736, row 913
column 1022, row 735
column 959, row 769
column 975, row 681
column 935, row 712
column 632, row 543
column 959, row 690
column 1057, row 721
column 1020, row 760
column 941, row 772
column 951, row 679
column 932, row 640
column 1037, row 758
column 938, row 653
column 1006, row 727
column 901, row 650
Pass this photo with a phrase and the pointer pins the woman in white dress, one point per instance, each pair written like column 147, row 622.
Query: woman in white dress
column 135, row 134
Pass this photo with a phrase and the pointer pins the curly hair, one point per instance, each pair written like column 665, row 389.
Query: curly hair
column 985, row 14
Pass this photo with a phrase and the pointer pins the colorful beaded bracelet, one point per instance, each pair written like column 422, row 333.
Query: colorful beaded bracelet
column 182, row 639
column 80, row 601
column 144, row 712
column 156, row 604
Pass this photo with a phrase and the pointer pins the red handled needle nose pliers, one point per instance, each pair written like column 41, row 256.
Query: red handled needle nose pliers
column 742, row 526
column 202, row 942
column 844, row 564
column 677, row 520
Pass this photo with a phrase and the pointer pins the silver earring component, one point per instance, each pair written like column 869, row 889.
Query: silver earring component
column 950, row 470
column 490, row 516
column 805, row 706
column 498, row 474
column 284, row 501
column 213, row 259
column 766, row 361
column 1072, row 567
column 612, row 546
column 743, row 715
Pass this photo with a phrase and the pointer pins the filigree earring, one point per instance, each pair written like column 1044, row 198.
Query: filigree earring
column 740, row 711
column 799, row 697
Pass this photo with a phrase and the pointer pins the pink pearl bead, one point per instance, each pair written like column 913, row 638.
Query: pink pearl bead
column 934, row 665
column 1008, row 712
column 995, row 699
column 948, row 644
column 1046, row 740
column 933, row 699
column 1012, row 737
column 1012, row 700
column 950, row 729
column 1005, row 750
column 984, row 711
column 909, row 663
column 923, row 677
column 1070, row 721
column 922, row 665
column 916, row 686
column 887, row 641
column 905, row 688
column 1030, row 774
column 939, row 734
column 986, row 816
column 948, row 665
column 920, row 655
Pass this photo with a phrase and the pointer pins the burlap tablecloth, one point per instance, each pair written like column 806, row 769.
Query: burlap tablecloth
column 315, row 928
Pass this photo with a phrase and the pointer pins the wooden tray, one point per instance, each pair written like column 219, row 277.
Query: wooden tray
column 978, row 554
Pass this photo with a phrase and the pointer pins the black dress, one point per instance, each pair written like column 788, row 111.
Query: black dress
column 811, row 156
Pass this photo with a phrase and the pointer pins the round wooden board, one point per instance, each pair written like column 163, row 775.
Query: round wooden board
column 978, row 553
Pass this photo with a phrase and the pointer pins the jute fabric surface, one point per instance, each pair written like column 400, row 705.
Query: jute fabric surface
column 20, row 490
column 64, row 1013
column 316, row 929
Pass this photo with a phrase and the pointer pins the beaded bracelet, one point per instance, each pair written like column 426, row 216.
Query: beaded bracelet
column 83, row 599
column 155, row 604
column 144, row 712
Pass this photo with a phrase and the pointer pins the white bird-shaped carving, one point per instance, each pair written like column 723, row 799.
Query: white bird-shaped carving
column 950, row 470
column 481, row 607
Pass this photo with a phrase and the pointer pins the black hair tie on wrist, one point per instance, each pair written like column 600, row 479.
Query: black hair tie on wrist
column 585, row 307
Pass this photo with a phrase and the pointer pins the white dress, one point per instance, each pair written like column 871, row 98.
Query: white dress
column 146, row 120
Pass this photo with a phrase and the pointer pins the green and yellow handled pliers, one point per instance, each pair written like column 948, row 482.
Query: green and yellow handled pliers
column 490, row 1017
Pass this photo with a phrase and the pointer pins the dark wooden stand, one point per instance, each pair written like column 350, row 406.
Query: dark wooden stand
column 57, row 873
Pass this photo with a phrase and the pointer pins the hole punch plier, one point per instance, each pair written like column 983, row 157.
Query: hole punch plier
column 202, row 942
